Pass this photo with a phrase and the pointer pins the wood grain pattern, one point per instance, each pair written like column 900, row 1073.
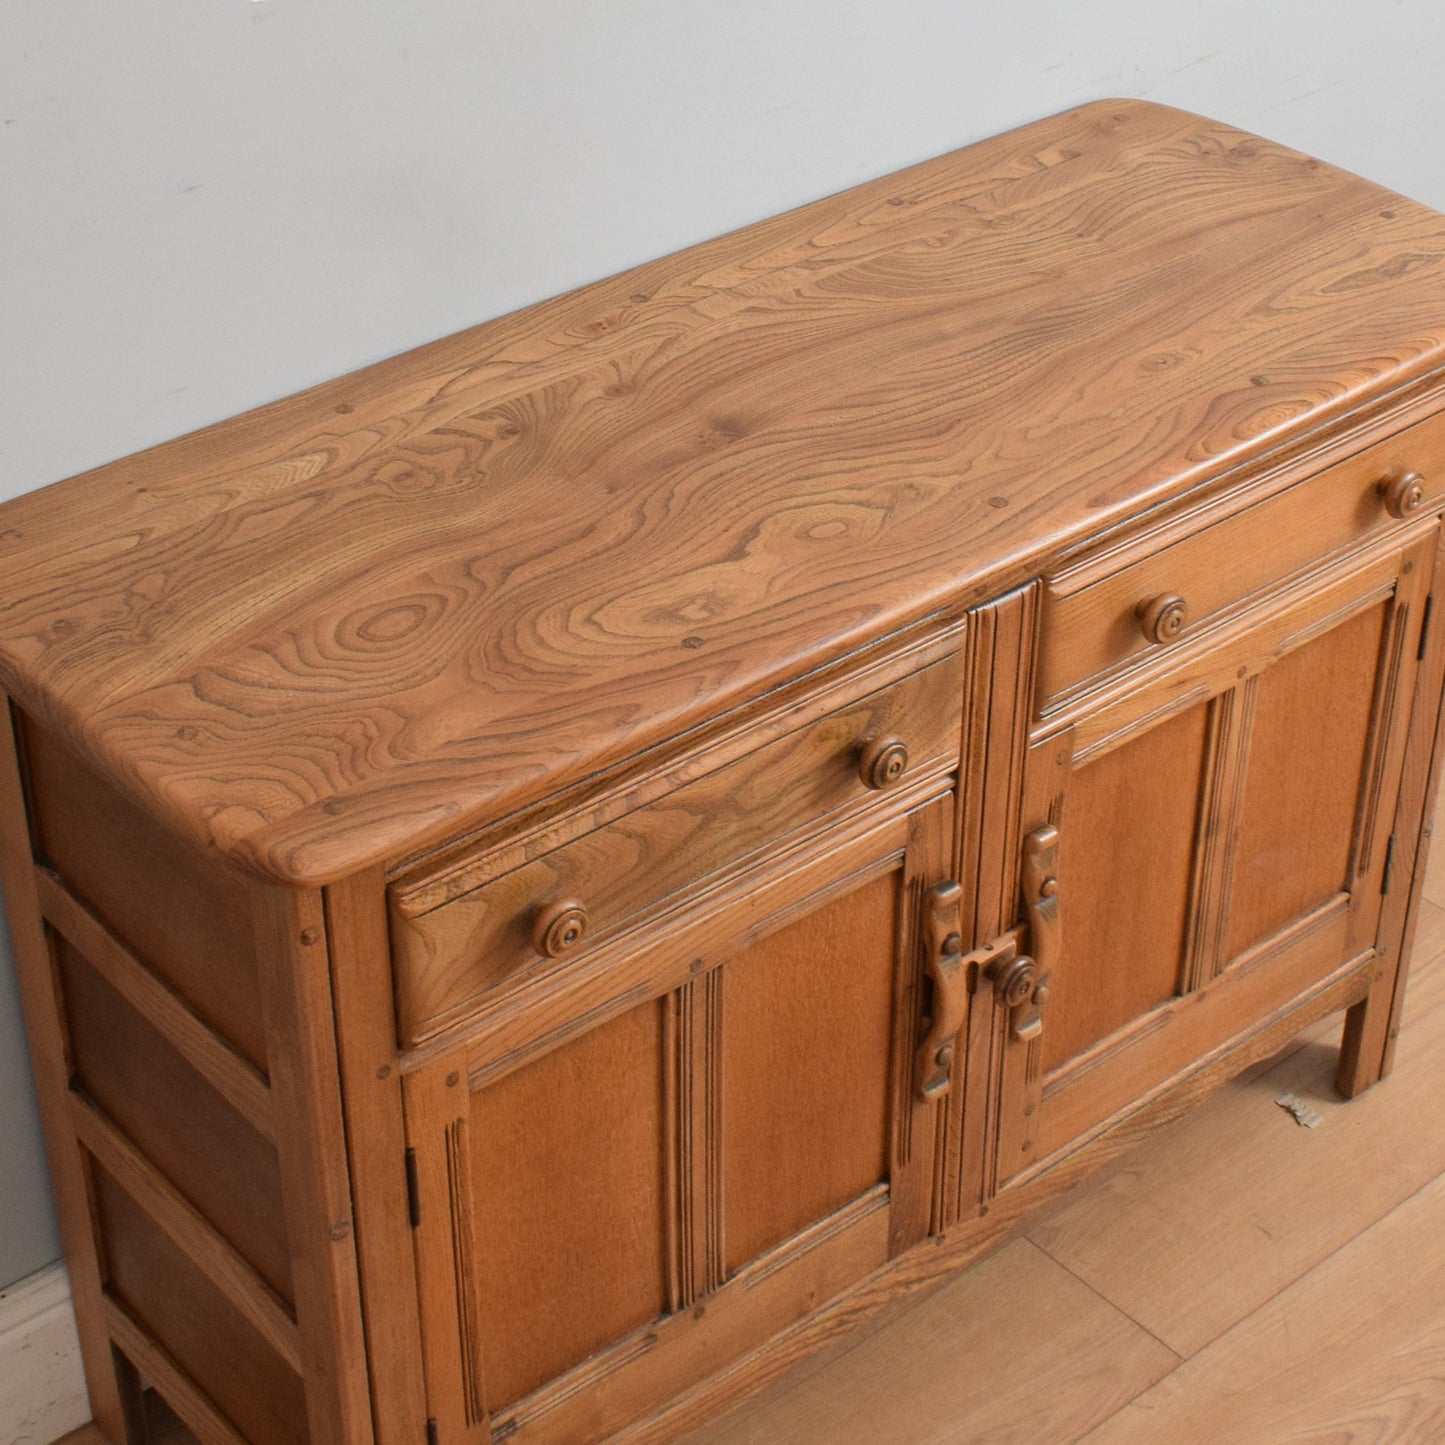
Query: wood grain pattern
column 1125, row 905
column 939, row 1356
column 298, row 640
column 1208, row 1252
column 184, row 918
column 1215, row 567
column 183, row 1126
column 376, row 1141
column 807, row 1035
column 566, row 1157
column 45, row 1028
column 1310, row 1364
column 216, row 1348
column 451, row 957
column 1303, row 783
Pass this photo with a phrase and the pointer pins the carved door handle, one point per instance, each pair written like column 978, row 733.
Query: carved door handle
column 933, row 1066
column 1023, row 983
column 1041, row 895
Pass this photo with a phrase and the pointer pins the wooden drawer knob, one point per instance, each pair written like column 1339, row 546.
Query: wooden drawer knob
column 883, row 762
column 1162, row 618
column 1404, row 495
column 559, row 927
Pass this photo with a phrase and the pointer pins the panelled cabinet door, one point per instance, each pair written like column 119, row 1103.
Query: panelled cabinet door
column 1216, row 832
column 643, row 1194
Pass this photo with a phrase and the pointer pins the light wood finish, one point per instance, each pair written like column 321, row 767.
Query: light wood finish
column 177, row 1306
column 561, row 874
column 45, row 1027
column 1322, row 1303
column 914, row 1374
column 228, row 1172
column 1142, row 798
column 549, row 1297
column 1244, row 1247
column 1058, row 1359
column 1311, row 1358
column 258, row 1304
column 1093, row 625
column 186, row 919
column 292, row 947
column 310, row 671
column 450, row 957
column 806, row 1037
column 376, row 1138
column 232, row 1076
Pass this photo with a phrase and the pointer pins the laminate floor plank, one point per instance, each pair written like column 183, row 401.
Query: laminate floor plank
column 969, row 1363
column 1353, row 1352
column 1207, row 1221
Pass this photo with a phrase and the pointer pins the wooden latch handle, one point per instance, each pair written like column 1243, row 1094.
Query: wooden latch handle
column 1041, row 895
column 933, row 1067
column 1023, row 983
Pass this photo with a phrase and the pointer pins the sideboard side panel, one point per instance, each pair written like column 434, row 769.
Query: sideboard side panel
column 111, row 1381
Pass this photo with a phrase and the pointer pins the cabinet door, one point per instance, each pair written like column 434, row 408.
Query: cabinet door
column 1214, row 830
column 615, row 1199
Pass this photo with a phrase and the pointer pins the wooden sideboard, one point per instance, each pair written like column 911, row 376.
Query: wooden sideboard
column 553, row 875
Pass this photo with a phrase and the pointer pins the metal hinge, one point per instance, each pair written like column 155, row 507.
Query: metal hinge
column 431, row 1425
column 413, row 1190
column 1389, row 865
column 1425, row 627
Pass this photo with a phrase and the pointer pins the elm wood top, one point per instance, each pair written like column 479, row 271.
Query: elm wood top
column 345, row 626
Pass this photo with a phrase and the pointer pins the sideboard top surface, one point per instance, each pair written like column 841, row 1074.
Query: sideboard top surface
column 343, row 627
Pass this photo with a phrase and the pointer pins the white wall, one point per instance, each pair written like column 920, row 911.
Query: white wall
column 205, row 204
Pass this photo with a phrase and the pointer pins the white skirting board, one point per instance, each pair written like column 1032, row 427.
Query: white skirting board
column 42, row 1387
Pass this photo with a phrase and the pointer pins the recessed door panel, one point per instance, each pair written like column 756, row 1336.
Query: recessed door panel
column 1126, row 851
column 1308, row 749
column 566, row 1166
column 807, row 1024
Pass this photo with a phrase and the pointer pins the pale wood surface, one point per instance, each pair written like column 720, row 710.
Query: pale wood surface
column 1341, row 1340
column 360, row 621
column 1266, row 1282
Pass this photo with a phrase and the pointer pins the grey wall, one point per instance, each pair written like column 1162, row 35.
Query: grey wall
column 205, row 204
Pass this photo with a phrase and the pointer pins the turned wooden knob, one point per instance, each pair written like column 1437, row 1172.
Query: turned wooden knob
column 1015, row 981
column 1404, row 495
column 882, row 762
column 1162, row 618
column 560, row 926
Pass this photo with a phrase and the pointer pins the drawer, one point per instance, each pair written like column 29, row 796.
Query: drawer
column 456, row 956
column 1090, row 629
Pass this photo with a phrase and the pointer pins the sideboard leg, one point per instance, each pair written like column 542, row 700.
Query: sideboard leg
column 1363, row 1047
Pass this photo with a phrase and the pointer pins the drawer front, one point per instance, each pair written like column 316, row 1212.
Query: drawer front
column 553, row 909
column 1090, row 630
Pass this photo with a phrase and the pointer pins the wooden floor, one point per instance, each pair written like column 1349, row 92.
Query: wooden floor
column 1237, row 1280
